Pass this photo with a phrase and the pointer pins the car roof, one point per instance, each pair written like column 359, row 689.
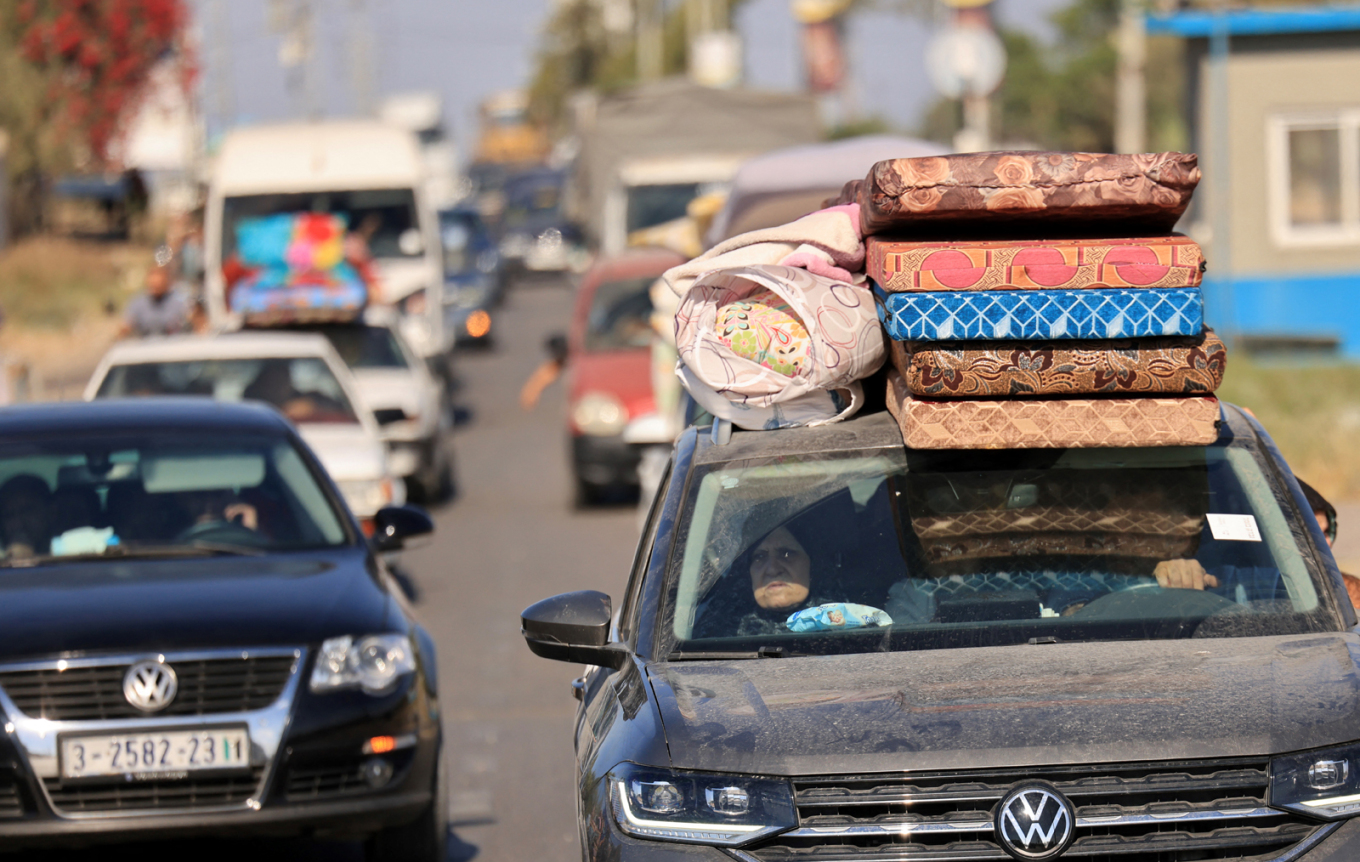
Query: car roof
column 115, row 416
column 229, row 345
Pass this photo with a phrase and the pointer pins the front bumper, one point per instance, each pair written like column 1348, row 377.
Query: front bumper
column 341, row 819
column 306, row 776
column 605, row 461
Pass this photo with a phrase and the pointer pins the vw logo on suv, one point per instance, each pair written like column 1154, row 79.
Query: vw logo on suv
column 150, row 685
column 1035, row 822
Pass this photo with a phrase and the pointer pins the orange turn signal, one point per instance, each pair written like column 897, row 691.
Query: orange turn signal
column 381, row 744
column 478, row 323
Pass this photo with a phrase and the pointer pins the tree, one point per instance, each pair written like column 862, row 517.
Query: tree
column 73, row 72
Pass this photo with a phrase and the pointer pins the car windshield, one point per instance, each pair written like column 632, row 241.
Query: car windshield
column 924, row 550
column 382, row 215
column 464, row 238
column 366, row 346
column 302, row 388
column 159, row 494
column 620, row 315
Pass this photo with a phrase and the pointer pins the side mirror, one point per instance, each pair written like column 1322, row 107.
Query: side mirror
column 556, row 345
column 572, row 627
column 394, row 525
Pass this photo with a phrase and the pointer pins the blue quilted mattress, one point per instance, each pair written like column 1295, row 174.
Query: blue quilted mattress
column 1058, row 314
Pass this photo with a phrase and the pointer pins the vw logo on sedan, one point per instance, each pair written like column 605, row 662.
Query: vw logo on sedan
column 150, row 685
column 1034, row 822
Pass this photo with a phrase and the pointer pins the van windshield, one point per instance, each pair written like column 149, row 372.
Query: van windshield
column 383, row 215
column 898, row 549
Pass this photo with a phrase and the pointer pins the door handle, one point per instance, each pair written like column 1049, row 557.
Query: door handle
column 578, row 688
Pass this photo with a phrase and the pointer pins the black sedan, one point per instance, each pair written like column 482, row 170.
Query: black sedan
column 196, row 637
column 834, row 648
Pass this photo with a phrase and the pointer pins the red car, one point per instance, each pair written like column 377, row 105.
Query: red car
column 609, row 369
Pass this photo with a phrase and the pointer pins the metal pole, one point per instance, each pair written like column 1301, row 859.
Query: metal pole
column 1220, row 168
column 1130, row 118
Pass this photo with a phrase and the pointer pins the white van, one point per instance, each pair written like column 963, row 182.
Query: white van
column 368, row 171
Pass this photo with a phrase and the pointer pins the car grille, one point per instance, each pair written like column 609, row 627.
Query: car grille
column 159, row 794
column 1151, row 812
column 11, row 804
column 84, row 693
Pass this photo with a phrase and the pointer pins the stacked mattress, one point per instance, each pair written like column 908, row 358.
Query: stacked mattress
column 1059, row 312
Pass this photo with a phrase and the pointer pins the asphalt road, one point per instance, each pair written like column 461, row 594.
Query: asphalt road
column 509, row 538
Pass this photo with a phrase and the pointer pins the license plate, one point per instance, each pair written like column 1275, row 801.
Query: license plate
column 170, row 751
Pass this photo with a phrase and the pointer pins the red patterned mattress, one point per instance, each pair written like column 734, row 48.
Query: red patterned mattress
column 902, row 265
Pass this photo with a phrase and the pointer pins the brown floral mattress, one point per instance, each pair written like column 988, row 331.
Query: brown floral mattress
column 1029, row 194
column 1059, row 519
column 1015, row 545
column 1053, row 423
column 1181, row 365
column 1167, row 261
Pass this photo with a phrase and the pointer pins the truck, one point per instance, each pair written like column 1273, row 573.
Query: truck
column 370, row 172
column 647, row 151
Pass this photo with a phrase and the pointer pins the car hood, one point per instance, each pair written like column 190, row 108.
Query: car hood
column 1011, row 706
column 386, row 388
column 188, row 603
column 347, row 450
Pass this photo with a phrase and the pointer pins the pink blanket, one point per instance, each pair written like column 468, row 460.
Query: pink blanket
column 826, row 243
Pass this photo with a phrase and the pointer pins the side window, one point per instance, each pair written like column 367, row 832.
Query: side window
column 628, row 615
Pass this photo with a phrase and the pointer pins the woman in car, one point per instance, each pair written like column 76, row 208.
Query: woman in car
column 789, row 568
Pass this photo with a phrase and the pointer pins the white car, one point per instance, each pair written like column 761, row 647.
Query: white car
column 299, row 373
column 408, row 402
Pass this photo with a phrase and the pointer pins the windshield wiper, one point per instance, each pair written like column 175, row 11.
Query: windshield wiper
column 760, row 652
column 123, row 552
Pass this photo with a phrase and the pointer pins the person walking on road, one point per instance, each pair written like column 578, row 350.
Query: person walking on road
column 157, row 310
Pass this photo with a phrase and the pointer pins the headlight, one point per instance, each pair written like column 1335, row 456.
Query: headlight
column 1322, row 784
column 599, row 414
column 366, row 496
column 373, row 663
column 698, row 808
column 549, row 240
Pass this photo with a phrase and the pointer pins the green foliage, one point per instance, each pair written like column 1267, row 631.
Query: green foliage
column 577, row 54
column 1062, row 96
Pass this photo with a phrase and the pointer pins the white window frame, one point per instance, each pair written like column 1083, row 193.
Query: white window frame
column 1285, row 233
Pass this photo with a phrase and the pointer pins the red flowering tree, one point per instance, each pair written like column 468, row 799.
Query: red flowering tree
column 95, row 57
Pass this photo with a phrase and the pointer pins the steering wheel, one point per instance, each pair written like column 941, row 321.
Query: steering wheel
column 224, row 532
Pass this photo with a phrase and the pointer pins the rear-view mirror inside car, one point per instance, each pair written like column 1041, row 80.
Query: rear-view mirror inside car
column 572, row 627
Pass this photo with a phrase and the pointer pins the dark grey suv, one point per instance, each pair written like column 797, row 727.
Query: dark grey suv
column 835, row 648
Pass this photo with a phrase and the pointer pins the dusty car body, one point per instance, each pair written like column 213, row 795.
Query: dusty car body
column 1012, row 715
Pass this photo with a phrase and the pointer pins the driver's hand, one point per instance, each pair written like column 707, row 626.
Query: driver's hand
column 1183, row 575
column 243, row 514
